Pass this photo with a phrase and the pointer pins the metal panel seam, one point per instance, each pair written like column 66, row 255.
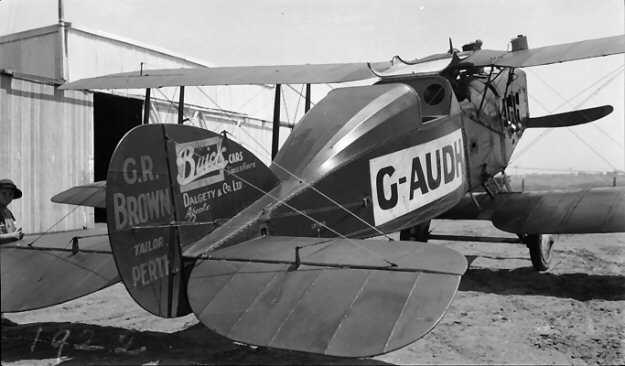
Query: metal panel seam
column 414, row 285
column 288, row 316
column 256, row 299
column 347, row 311
column 222, row 287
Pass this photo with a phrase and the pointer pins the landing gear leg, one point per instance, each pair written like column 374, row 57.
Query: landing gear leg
column 540, row 249
column 419, row 232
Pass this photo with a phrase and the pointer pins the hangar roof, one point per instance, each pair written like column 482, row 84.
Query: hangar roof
column 67, row 52
column 40, row 52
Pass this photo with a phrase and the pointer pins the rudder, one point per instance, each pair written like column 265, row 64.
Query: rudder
column 168, row 186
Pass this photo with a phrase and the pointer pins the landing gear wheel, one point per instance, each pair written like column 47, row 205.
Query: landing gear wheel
column 540, row 249
column 419, row 232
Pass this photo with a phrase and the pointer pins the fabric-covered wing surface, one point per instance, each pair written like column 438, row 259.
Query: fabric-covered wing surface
column 344, row 298
column 549, row 54
column 596, row 210
column 91, row 195
column 239, row 75
column 49, row 273
column 591, row 210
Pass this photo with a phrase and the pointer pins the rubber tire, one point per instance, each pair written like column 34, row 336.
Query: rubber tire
column 540, row 246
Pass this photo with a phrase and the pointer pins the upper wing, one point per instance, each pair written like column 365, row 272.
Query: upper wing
column 593, row 210
column 343, row 72
column 51, row 271
column 549, row 54
column 241, row 75
column 92, row 195
column 341, row 297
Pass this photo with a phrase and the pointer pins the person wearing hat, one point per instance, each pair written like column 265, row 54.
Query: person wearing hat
column 8, row 229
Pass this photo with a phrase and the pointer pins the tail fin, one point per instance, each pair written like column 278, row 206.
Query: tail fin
column 167, row 186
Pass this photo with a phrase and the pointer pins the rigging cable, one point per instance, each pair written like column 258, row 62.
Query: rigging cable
column 611, row 75
column 302, row 180
column 171, row 103
column 615, row 73
column 323, row 194
column 321, row 224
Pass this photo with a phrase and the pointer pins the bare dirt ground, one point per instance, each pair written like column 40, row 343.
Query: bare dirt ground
column 503, row 313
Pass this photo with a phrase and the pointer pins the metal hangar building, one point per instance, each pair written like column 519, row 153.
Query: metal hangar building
column 55, row 139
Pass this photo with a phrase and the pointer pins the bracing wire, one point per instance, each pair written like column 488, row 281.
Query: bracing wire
column 171, row 103
column 321, row 224
column 556, row 170
column 298, row 100
column 299, row 178
column 302, row 180
column 233, row 119
column 301, row 95
column 293, row 175
column 307, row 184
column 71, row 211
column 229, row 115
column 286, row 109
column 610, row 76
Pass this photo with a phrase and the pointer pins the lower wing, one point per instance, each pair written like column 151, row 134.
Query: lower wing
column 37, row 272
column 591, row 210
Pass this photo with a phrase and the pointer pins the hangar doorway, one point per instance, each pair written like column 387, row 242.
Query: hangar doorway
column 113, row 116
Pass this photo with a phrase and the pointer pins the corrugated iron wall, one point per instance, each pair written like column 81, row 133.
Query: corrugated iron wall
column 47, row 139
column 46, row 146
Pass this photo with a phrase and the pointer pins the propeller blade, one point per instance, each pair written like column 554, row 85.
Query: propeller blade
column 570, row 118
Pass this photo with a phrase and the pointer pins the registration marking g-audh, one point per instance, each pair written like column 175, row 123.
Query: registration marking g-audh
column 406, row 180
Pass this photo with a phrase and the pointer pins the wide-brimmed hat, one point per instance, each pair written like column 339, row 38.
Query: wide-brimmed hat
column 7, row 183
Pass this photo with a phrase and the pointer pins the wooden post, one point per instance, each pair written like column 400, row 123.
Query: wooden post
column 276, row 123
column 523, row 185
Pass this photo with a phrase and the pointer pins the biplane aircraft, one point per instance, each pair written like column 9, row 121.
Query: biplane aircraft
column 276, row 255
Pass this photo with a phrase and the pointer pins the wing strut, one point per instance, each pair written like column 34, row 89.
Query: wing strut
column 276, row 123
column 146, row 107
column 181, row 106
column 307, row 102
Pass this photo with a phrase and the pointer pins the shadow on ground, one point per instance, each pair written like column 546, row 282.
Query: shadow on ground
column 526, row 281
column 87, row 344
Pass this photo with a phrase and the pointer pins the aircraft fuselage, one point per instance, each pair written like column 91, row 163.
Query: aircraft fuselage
column 378, row 159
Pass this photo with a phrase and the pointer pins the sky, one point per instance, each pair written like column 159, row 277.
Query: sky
column 256, row 32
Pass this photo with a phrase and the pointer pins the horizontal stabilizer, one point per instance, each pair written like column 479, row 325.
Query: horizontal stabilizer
column 57, row 268
column 91, row 195
column 329, row 300
column 592, row 210
column 377, row 254
column 570, row 118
